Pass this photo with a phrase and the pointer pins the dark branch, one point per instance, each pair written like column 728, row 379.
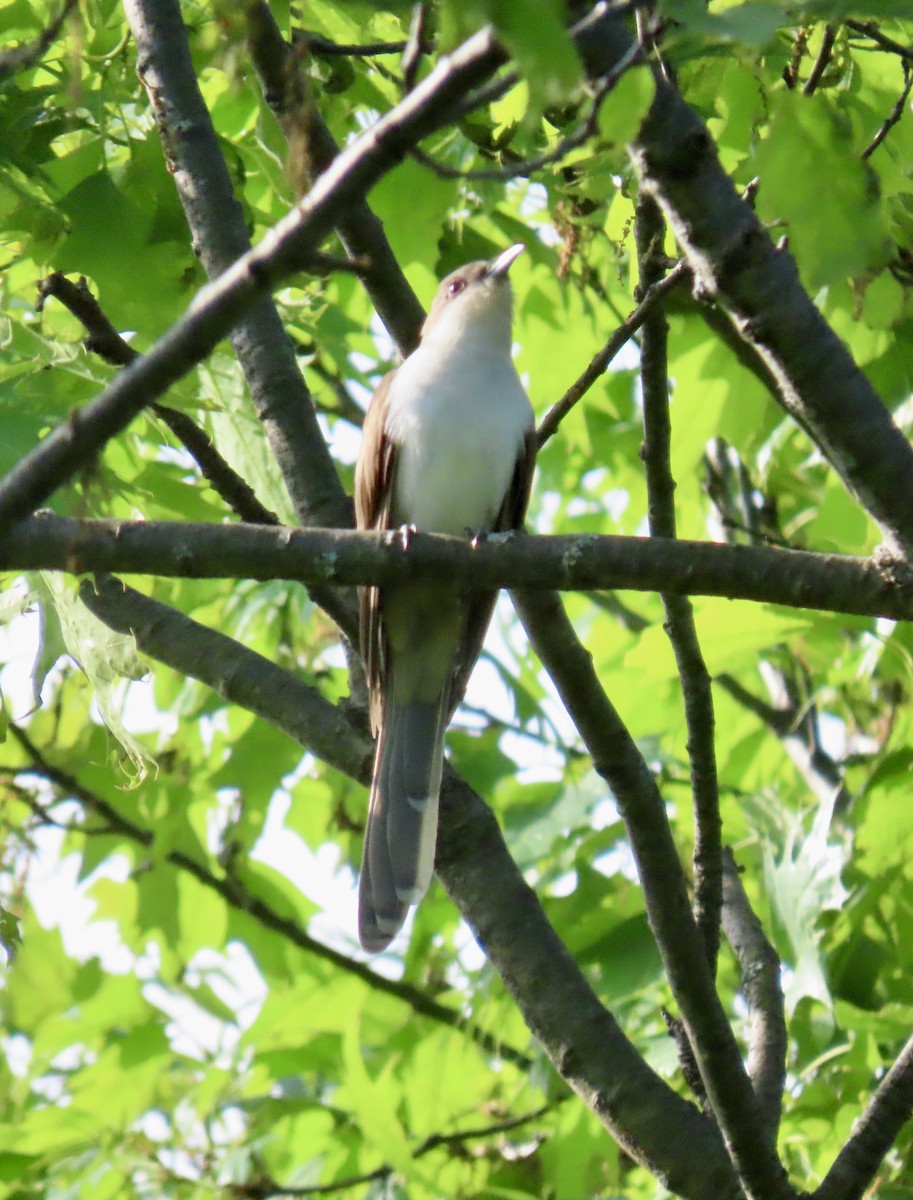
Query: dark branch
column 821, row 62
column 360, row 231
column 799, row 579
column 20, row 58
column 870, row 30
column 220, row 304
column 650, row 229
column 895, row 114
column 873, row 1134
column 618, row 761
column 216, row 221
column 548, row 426
column 104, row 340
column 759, row 968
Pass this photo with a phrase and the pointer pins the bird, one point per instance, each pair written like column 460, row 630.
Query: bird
column 448, row 447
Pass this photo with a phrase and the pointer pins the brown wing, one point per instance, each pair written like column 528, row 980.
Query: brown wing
column 481, row 604
column 374, row 477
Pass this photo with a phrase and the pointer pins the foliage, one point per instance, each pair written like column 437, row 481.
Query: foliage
column 182, row 1044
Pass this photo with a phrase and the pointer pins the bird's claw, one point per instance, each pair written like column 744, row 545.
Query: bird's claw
column 405, row 535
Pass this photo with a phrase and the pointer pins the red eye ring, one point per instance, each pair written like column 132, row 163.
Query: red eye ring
column 456, row 287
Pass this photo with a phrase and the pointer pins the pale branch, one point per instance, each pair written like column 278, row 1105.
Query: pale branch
column 230, row 886
column 654, row 1125
column 889, row 1109
column 707, row 864
column 734, row 259
column 20, row 58
column 104, row 340
column 361, row 232
column 618, row 761
column 598, row 365
column 216, row 220
column 220, row 304
column 580, row 1036
column 759, row 969
column 795, row 578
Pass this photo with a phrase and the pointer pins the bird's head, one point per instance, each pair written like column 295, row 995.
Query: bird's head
column 475, row 301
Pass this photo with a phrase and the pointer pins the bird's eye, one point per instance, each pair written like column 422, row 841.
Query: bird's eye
column 455, row 287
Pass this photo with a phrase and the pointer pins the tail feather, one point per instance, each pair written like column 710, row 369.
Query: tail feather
column 401, row 831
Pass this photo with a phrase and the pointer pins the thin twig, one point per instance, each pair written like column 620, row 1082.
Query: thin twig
column 104, row 340
column 417, row 46
column 326, row 48
column 234, row 891
column 525, row 167
column 870, row 30
column 268, row 1187
column 821, row 62
column 895, row 114
column 600, row 362
column 20, row 58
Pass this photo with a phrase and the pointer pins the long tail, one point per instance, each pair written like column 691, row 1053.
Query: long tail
column 401, row 832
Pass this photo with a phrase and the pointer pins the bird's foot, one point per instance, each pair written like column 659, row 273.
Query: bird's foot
column 406, row 533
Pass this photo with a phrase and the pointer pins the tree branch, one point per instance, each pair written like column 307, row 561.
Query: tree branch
column 598, row 365
column 650, row 232
column 759, row 968
column 580, row 1036
column 654, row 1125
column 104, row 340
column 361, row 232
column 797, row 578
column 221, row 303
column 216, row 222
column 233, row 890
column 874, row 1133
column 20, row 58
column 733, row 258
column 618, row 761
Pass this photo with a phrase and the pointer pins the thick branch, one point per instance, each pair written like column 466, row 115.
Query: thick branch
column 582, row 1039
column 650, row 232
column 657, row 1127
column 733, row 258
column 216, row 222
column 361, row 232
column 874, row 1133
column 221, row 303
column 828, row 582
column 618, row 761
column 759, row 967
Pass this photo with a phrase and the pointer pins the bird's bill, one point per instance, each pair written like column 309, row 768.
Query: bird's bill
column 503, row 262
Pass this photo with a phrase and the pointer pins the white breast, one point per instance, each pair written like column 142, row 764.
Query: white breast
column 460, row 421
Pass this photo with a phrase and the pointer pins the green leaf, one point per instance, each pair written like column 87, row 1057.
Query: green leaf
column 834, row 231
